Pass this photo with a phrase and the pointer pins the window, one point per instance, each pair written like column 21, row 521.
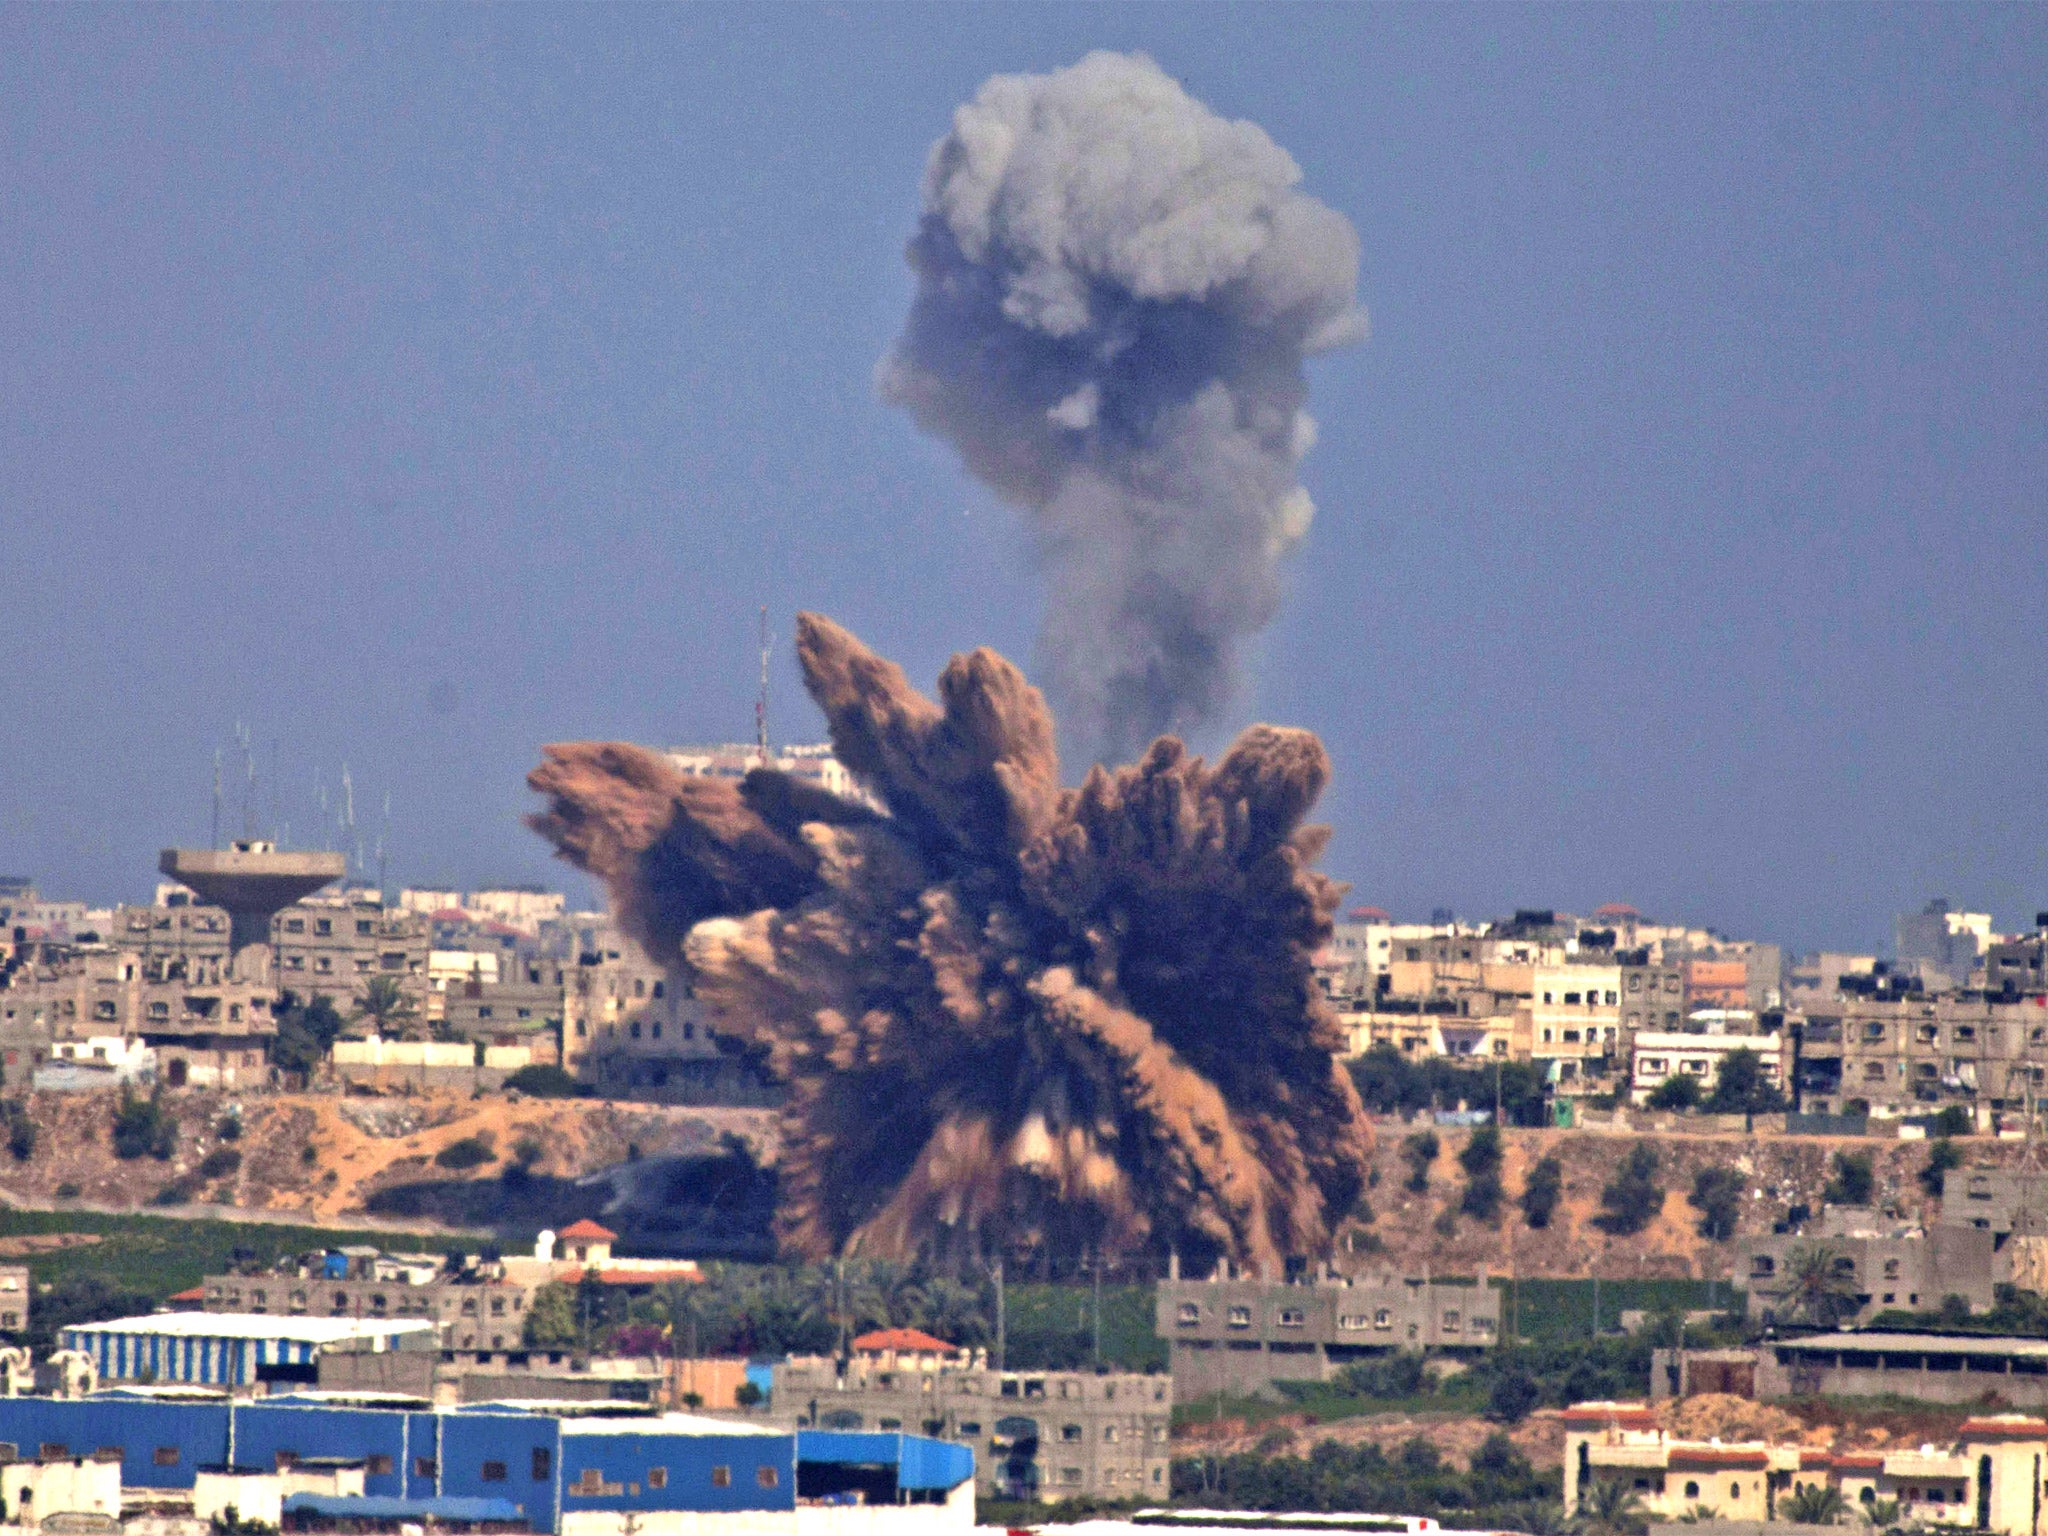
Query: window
column 1240, row 1317
column 295, row 925
column 657, row 1477
column 425, row 1466
column 165, row 1456
column 323, row 926
column 494, row 1472
column 1383, row 1318
column 1189, row 1314
column 766, row 1476
column 380, row 1466
column 362, row 926
column 1109, row 1433
column 1692, row 1490
column 1735, row 1490
column 721, row 1477
column 1292, row 1317
column 1450, row 1322
column 1070, row 1432
column 970, row 1426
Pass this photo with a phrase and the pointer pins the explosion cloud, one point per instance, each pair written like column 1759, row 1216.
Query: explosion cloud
column 1008, row 1014
column 1116, row 289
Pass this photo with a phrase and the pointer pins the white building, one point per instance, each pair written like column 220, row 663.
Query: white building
column 1662, row 1053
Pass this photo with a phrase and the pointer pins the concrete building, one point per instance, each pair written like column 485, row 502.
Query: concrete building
column 1241, row 1336
column 1036, row 1435
column 469, row 1311
column 1987, row 1479
column 15, row 1294
column 1716, row 982
column 1661, row 1054
column 1575, row 1025
column 1936, row 942
column 1899, row 1052
column 2018, row 967
column 1927, row 1367
column 1881, row 1267
column 336, row 947
column 232, row 1350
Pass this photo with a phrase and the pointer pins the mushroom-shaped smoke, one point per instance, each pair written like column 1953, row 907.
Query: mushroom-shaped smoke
column 1007, row 1013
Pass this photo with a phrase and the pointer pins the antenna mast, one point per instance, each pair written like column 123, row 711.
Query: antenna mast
column 761, row 699
column 216, row 797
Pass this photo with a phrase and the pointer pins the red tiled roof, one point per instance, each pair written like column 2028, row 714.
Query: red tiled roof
column 1616, row 909
column 1594, row 1415
column 903, row 1341
column 587, row 1231
column 1367, row 915
column 2009, row 1426
column 615, row 1274
column 1856, row 1461
column 1717, row 1456
column 197, row 1293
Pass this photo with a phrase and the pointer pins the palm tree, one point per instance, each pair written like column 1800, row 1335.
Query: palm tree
column 386, row 1008
column 1820, row 1284
column 1813, row 1504
column 1881, row 1514
column 1611, row 1508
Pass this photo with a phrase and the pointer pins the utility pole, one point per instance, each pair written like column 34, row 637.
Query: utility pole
column 1096, row 1267
column 1002, row 1317
column 761, row 699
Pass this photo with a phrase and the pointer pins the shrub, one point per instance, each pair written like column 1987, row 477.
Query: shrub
column 230, row 1128
column 21, row 1130
column 1717, row 1196
column 1397, row 1375
column 1540, row 1192
column 546, row 1082
column 469, row 1152
column 142, row 1128
column 527, row 1151
column 1418, row 1152
column 1632, row 1200
column 748, row 1394
column 1852, row 1183
column 1954, row 1120
column 219, row 1163
column 67, row 1191
column 1679, row 1091
column 1513, row 1397
column 1941, row 1158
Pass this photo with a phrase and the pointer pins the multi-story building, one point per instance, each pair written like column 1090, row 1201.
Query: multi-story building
column 1874, row 1266
column 1652, row 994
column 334, row 947
column 1575, row 1025
column 1938, row 943
column 2019, row 966
column 1242, row 1336
column 1893, row 1051
column 15, row 1291
column 1037, row 1435
column 632, row 1032
column 1717, row 982
column 471, row 1311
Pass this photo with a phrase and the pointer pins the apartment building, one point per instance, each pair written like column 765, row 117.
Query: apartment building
column 1661, row 1054
column 1037, row 1435
column 334, row 947
column 1240, row 1336
column 471, row 1311
column 1575, row 1025
column 207, row 1028
column 1895, row 1052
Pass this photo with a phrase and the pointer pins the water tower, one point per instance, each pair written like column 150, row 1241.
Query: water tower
column 254, row 882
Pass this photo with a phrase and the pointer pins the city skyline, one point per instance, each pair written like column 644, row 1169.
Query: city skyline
column 422, row 388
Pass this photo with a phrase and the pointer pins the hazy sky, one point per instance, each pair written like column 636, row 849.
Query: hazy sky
column 421, row 385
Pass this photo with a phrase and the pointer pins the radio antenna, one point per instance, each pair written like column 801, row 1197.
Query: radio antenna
column 761, row 699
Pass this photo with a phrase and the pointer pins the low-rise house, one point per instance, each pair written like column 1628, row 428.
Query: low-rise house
column 1987, row 1479
column 1661, row 1054
column 1850, row 1265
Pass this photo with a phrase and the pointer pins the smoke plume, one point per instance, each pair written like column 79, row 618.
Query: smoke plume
column 1115, row 293
column 1007, row 1014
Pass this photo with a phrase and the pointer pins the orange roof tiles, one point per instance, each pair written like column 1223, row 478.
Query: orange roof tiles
column 587, row 1231
column 903, row 1341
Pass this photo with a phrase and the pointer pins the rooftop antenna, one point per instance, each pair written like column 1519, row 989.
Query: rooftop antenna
column 216, row 797
column 274, row 781
column 248, row 781
column 349, row 840
column 761, row 699
column 383, row 835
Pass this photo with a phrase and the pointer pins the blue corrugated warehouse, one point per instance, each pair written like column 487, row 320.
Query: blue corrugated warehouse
column 581, row 1476
column 225, row 1349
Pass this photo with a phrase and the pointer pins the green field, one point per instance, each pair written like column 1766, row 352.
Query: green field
column 1052, row 1327
column 159, row 1255
column 1563, row 1309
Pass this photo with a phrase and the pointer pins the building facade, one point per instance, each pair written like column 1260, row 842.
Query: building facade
column 1873, row 1267
column 1242, row 1336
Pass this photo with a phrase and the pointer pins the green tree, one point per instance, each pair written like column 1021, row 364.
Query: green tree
column 1813, row 1504
column 1679, row 1091
column 1611, row 1507
column 1418, row 1152
column 1631, row 1201
column 1481, row 1160
column 1820, row 1284
column 143, row 1128
column 1513, row 1396
column 21, row 1130
column 305, row 1032
column 1540, row 1191
column 1954, row 1120
column 385, row 1007
column 1853, row 1182
column 1942, row 1158
column 545, row 1081
column 1717, row 1196
column 1742, row 1088
column 551, row 1317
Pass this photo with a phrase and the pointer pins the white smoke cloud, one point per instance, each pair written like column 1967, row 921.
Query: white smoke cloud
column 1116, row 292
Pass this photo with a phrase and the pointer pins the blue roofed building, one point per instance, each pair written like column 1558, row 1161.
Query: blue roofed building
column 214, row 1349
column 514, row 1465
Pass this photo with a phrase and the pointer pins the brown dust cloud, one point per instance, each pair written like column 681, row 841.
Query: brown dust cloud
column 1011, row 1017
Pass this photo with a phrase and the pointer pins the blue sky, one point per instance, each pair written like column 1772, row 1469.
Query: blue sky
column 421, row 385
